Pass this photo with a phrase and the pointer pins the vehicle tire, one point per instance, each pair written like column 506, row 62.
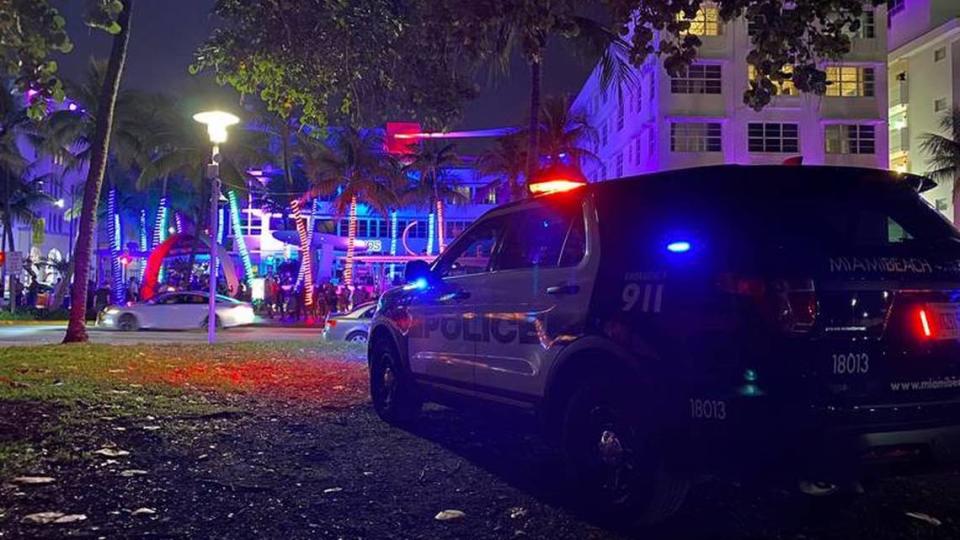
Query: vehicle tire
column 357, row 337
column 128, row 323
column 217, row 320
column 615, row 460
column 394, row 397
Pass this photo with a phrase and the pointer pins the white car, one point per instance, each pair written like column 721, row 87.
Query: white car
column 176, row 311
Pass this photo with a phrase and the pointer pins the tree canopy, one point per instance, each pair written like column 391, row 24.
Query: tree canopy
column 329, row 61
column 30, row 31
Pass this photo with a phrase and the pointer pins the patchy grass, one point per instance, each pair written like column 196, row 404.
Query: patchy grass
column 51, row 395
column 127, row 376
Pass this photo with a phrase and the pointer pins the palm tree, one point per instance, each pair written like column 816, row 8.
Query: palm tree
column 14, row 123
column 434, row 182
column 566, row 134
column 529, row 29
column 353, row 168
column 21, row 199
column 944, row 153
column 100, row 148
column 506, row 162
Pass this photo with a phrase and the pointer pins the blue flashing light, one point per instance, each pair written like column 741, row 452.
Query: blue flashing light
column 418, row 284
column 678, row 247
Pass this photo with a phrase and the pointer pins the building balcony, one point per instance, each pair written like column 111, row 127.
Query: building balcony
column 899, row 94
column 899, row 140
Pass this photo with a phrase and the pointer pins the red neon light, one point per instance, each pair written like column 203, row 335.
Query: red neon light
column 554, row 186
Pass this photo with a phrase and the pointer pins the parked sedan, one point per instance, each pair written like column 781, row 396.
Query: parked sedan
column 353, row 326
column 176, row 311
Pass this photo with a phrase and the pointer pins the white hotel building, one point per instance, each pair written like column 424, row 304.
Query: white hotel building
column 924, row 82
column 665, row 123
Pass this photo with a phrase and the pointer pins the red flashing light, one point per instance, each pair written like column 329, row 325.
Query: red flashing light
column 555, row 179
column 554, row 186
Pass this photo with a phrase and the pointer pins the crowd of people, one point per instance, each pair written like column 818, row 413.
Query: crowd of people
column 284, row 298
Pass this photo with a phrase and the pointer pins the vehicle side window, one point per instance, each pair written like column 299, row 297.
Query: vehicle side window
column 368, row 314
column 172, row 299
column 575, row 246
column 535, row 238
column 471, row 254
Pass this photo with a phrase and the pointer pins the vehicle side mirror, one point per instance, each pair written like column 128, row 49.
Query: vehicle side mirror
column 415, row 270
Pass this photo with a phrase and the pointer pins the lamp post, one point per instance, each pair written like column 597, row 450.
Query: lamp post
column 217, row 123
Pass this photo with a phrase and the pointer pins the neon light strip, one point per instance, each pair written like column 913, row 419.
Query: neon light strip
column 238, row 240
column 221, row 224
column 304, row 253
column 441, row 244
column 431, row 225
column 160, row 231
column 143, row 238
column 496, row 132
column 393, row 241
column 117, row 292
column 351, row 243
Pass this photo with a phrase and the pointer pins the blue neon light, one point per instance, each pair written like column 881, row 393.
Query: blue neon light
column 678, row 247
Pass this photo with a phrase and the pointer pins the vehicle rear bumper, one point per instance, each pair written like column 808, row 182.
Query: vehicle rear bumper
column 828, row 444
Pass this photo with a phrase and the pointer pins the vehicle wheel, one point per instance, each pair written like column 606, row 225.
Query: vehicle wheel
column 128, row 322
column 393, row 395
column 614, row 458
column 217, row 321
column 357, row 337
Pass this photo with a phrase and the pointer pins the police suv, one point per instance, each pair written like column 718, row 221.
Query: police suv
column 795, row 324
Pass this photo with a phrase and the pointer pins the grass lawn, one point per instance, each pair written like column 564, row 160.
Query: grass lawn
column 50, row 394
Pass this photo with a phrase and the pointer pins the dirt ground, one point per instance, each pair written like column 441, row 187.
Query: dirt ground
column 284, row 466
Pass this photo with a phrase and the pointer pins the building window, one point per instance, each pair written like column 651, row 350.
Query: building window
column 695, row 137
column 850, row 81
column 782, row 88
column 939, row 54
column 619, row 109
column 940, row 105
column 630, row 153
column 603, row 171
column 868, row 25
column 639, row 97
column 850, row 139
column 699, row 79
column 603, row 135
column 771, row 137
column 705, row 23
column 619, row 167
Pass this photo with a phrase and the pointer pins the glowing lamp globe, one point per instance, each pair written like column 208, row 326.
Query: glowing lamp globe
column 556, row 178
column 217, row 123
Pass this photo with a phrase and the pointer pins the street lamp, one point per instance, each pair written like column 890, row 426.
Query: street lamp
column 217, row 123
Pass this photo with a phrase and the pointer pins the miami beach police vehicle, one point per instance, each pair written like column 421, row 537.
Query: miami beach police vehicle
column 781, row 323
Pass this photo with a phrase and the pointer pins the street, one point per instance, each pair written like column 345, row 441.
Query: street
column 38, row 334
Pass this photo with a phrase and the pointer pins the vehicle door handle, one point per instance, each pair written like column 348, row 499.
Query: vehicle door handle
column 563, row 289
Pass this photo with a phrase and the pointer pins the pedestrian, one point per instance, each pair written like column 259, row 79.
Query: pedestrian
column 133, row 290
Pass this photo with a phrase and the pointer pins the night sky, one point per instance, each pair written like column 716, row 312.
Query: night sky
column 166, row 32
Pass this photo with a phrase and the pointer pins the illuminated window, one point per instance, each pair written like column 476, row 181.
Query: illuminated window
column 783, row 88
column 850, row 139
column 699, row 79
column 705, row 23
column 850, row 81
column 772, row 137
column 695, row 137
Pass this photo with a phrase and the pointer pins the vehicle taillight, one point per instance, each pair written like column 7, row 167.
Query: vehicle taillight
column 925, row 328
column 789, row 304
column 331, row 323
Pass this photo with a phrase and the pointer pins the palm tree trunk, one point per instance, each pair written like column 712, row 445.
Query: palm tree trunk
column 76, row 329
column 440, row 232
column 351, row 242
column 533, row 148
column 306, row 266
